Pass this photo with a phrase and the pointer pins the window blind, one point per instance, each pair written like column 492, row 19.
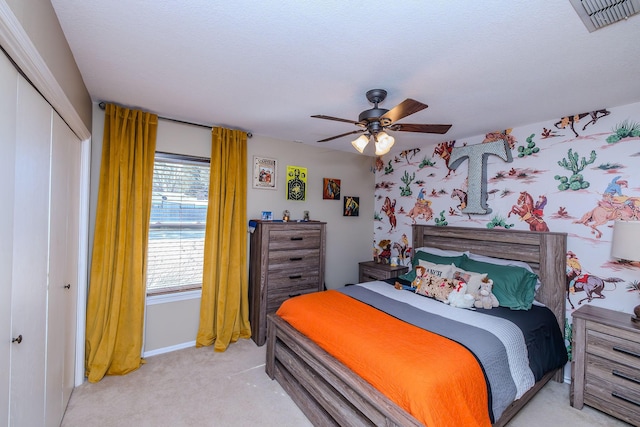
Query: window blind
column 178, row 218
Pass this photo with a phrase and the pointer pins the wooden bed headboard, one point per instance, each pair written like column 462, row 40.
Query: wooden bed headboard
column 545, row 252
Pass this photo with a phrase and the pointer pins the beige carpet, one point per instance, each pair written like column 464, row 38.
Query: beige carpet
column 197, row 387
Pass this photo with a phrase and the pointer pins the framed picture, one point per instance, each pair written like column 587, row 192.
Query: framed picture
column 351, row 206
column 296, row 183
column 330, row 188
column 265, row 173
column 267, row 216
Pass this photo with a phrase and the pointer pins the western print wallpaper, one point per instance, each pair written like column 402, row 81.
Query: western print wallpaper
column 573, row 174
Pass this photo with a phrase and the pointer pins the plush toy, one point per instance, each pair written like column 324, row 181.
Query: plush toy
column 486, row 299
column 421, row 272
column 459, row 296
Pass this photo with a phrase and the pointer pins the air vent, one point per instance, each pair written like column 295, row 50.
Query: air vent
column 599, row 13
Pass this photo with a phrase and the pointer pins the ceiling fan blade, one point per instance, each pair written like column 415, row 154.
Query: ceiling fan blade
column 405, row 108
column 341, row 135
column 320, row 116
column 407, row 127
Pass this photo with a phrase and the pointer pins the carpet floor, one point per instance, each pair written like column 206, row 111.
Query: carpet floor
column 197, row 387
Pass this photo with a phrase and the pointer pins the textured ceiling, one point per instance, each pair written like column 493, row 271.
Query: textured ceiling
column 266, row 67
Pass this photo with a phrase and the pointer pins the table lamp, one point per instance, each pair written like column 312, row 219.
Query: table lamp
column 625, row 245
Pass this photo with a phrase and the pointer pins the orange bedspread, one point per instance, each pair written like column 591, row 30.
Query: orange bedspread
column 433, row 378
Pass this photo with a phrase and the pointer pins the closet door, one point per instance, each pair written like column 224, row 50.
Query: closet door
column 8, row 88
column 30, row 257
column 63, row 265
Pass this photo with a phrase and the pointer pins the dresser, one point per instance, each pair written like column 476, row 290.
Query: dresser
column 370, row 271
column 286, row 260
column 605, row 371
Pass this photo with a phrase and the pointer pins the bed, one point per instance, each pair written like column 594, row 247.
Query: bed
column 330, row 393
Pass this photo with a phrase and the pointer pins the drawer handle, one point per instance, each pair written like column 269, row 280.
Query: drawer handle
column 625, row 376
column 372, row 277
column 298, row 258
column 296, row 276
column 626, row 399
column 296, row 238
column 294, row 295
column 625, row 351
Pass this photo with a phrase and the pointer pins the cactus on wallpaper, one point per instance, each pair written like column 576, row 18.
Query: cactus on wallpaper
column 498, row 221
column 442, row 221
column 626, row 129
column 568, row 336
column 529, row 149
column 575, row 181
column 407, row 179
column 388, row 169
column 426, row 162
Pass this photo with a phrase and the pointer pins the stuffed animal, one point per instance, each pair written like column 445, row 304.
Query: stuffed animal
column 459, row 296
column 421, row 272
column 486, row 299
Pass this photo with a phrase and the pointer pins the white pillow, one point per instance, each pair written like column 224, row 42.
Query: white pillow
column 440, row 252
column 472, row 279
column 502, row 261
column 439, row 270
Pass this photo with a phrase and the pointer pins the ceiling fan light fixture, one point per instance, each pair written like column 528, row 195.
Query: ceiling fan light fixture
column 384, row 143
column 360, row 143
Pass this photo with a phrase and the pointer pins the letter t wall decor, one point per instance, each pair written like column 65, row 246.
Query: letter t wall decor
column 477, row 179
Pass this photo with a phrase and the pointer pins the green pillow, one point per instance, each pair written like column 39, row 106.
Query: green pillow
column 436, row 259
column 515, row 287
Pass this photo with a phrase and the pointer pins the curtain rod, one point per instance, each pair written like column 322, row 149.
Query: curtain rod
column 103, row 104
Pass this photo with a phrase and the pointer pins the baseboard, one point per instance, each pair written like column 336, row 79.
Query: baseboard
column 169, row 349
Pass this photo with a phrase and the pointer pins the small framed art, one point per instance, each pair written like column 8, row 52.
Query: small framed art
column 351, row 206
column 265, row 173
column 330, row 189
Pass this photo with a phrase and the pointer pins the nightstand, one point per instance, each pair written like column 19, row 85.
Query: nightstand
column 605, row 371
column 370, row 271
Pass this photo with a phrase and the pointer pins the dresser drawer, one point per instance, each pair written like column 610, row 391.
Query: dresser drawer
column 368, row 274
column 302, row 278
column 275, row 297
column 622, row 351
column 617, row 375
column 294, row 239
column 613, row 388
column 294, row 259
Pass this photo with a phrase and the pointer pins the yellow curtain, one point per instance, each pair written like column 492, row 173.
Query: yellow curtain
column 117, row 287
column 224, row 308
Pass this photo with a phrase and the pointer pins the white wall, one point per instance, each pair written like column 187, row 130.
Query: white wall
column 349, row 239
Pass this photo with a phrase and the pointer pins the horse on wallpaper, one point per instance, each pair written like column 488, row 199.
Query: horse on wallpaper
column 389, row 208
column 530, row 212
column 444, row 150
column 592, row 285
column 422, row 207
column 461, row 195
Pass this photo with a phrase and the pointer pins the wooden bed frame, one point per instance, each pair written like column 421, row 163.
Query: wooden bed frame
column 329, row 393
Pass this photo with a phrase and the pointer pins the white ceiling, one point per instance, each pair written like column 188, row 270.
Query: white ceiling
column 267, row 66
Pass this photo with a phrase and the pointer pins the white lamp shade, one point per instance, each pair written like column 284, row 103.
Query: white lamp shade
column 384, row 143
column 360, row 143
column 625, row 243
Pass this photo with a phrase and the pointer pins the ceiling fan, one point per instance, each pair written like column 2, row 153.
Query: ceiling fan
column 375, row 121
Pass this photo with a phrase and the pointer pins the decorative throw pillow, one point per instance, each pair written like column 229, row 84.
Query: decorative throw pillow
column 435, row 287
column 438, row 270
column 514, row 287
column 436, row 259
column 472, row 279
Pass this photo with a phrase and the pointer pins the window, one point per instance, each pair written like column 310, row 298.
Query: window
column 178, row 216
